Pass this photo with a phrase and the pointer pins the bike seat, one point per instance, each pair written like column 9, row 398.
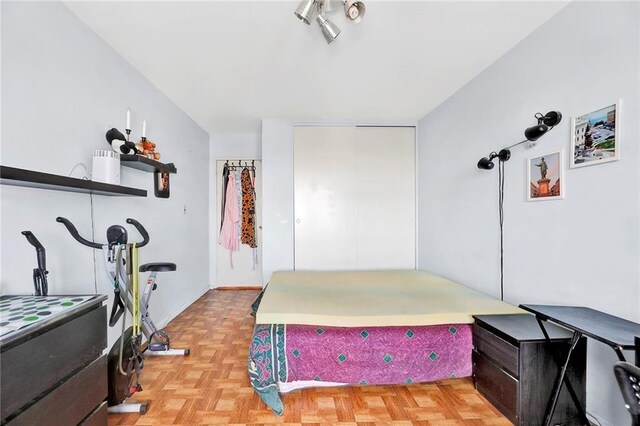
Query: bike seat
column 158, row 267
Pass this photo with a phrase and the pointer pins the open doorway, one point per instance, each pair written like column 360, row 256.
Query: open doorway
column 244, row 272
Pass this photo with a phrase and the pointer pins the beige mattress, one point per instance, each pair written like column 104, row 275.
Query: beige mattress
column 372, row 298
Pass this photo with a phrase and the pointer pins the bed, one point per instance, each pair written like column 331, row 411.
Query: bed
column 362, row 327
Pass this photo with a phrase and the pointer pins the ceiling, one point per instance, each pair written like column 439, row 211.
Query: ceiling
column 228, row 64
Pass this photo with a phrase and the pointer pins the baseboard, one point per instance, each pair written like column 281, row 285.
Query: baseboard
column 250, row 287
column 163, row 323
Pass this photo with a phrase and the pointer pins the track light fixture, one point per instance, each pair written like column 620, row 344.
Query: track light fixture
column 329, row 30
column 353, row 9
column 532, row 134
column 305, row 10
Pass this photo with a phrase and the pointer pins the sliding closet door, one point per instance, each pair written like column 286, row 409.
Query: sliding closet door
column 354, row 198
column 386, row 197
column 325, row 203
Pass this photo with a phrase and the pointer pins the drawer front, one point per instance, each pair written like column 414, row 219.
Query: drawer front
column 37, row 365
column 72, row 401
column 500, row 351
column 98, row 418
column 497, row 386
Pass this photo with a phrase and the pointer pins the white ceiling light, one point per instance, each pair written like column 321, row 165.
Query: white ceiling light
column 329, row 30
column 353, row 9
column 305, row 10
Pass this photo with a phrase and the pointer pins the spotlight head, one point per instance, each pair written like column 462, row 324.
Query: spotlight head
column 534, row 133
column 329, row 30
column 552, row 118
column 504, row 155
column 354, row 10
column 305, row 10
column 485, row 164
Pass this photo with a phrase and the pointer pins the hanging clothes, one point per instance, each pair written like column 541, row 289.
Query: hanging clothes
column 225, row 182
column 255, row 219
column 253, row 179
column 229, row 237
column 248, row 210
column 239, row 203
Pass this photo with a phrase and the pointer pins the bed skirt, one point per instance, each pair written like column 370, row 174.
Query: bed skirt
column 287, row 357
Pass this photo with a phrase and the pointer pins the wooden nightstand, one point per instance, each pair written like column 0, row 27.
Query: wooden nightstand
column 514, row 368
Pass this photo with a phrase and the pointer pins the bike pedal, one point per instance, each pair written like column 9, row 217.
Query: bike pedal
column 158, row 347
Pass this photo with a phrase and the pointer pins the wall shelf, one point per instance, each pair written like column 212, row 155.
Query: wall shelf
column 33, row 179
column 146, row 164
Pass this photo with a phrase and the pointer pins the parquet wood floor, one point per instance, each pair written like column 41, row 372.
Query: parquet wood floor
column 212, row 387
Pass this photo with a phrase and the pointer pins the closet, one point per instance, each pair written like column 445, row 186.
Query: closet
column 354, row 197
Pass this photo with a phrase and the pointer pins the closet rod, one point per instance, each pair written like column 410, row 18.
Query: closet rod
column 239, row 165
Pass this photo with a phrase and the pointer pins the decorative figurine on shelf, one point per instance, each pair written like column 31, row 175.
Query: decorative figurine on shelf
column 119, row 142
column 147, row 149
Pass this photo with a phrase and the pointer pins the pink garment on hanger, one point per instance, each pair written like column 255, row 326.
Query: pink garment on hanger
column 228, row 234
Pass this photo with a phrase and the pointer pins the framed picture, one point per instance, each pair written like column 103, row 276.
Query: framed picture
column 545, row 177
column 595, row 137
column 161, row 187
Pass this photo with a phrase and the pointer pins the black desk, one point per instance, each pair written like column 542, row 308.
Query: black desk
column 616, row 332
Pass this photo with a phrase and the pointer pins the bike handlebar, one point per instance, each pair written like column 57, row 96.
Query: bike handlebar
column 40, row 251
column 74, row 233
column 141, row 230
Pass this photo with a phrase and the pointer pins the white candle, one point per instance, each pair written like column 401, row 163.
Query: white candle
column 144, row 128
column 128, row 119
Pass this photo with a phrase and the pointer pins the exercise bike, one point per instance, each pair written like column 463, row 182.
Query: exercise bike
column 126, row 360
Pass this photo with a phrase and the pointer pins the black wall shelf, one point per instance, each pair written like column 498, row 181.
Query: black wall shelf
column 146, row 164
column 33, row 179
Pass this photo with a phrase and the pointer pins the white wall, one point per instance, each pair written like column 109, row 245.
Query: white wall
column 583, row 250
column 63, row 87
column 277, row 196
column 225, row 146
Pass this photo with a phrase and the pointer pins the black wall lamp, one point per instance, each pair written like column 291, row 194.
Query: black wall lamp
column 545, row 123
column 532, row 134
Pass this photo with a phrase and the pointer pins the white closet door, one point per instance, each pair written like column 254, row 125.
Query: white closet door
column 325, row 203
column 386, row 197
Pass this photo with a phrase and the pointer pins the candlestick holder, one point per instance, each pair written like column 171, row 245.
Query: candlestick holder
column 128, row 131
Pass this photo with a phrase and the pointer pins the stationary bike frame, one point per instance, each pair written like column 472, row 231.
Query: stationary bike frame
column 149, row 329
column 118, row 270
column 110, row 251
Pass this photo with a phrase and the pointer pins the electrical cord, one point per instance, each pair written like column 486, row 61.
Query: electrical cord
column 87, row 174
column 86, row 177
column 93, row 238
column 593, row 421
column 501, row 218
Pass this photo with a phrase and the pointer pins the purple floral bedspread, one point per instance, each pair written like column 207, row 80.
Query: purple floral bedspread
column 365, row 355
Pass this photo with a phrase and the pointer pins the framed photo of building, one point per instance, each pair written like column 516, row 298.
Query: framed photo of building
column 545, row 179
column 595, row 137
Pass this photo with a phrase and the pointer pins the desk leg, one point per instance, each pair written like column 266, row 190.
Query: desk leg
column 553, row 401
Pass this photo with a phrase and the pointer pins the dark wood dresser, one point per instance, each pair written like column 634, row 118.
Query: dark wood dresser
column 51, row 363
column 514, row 368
